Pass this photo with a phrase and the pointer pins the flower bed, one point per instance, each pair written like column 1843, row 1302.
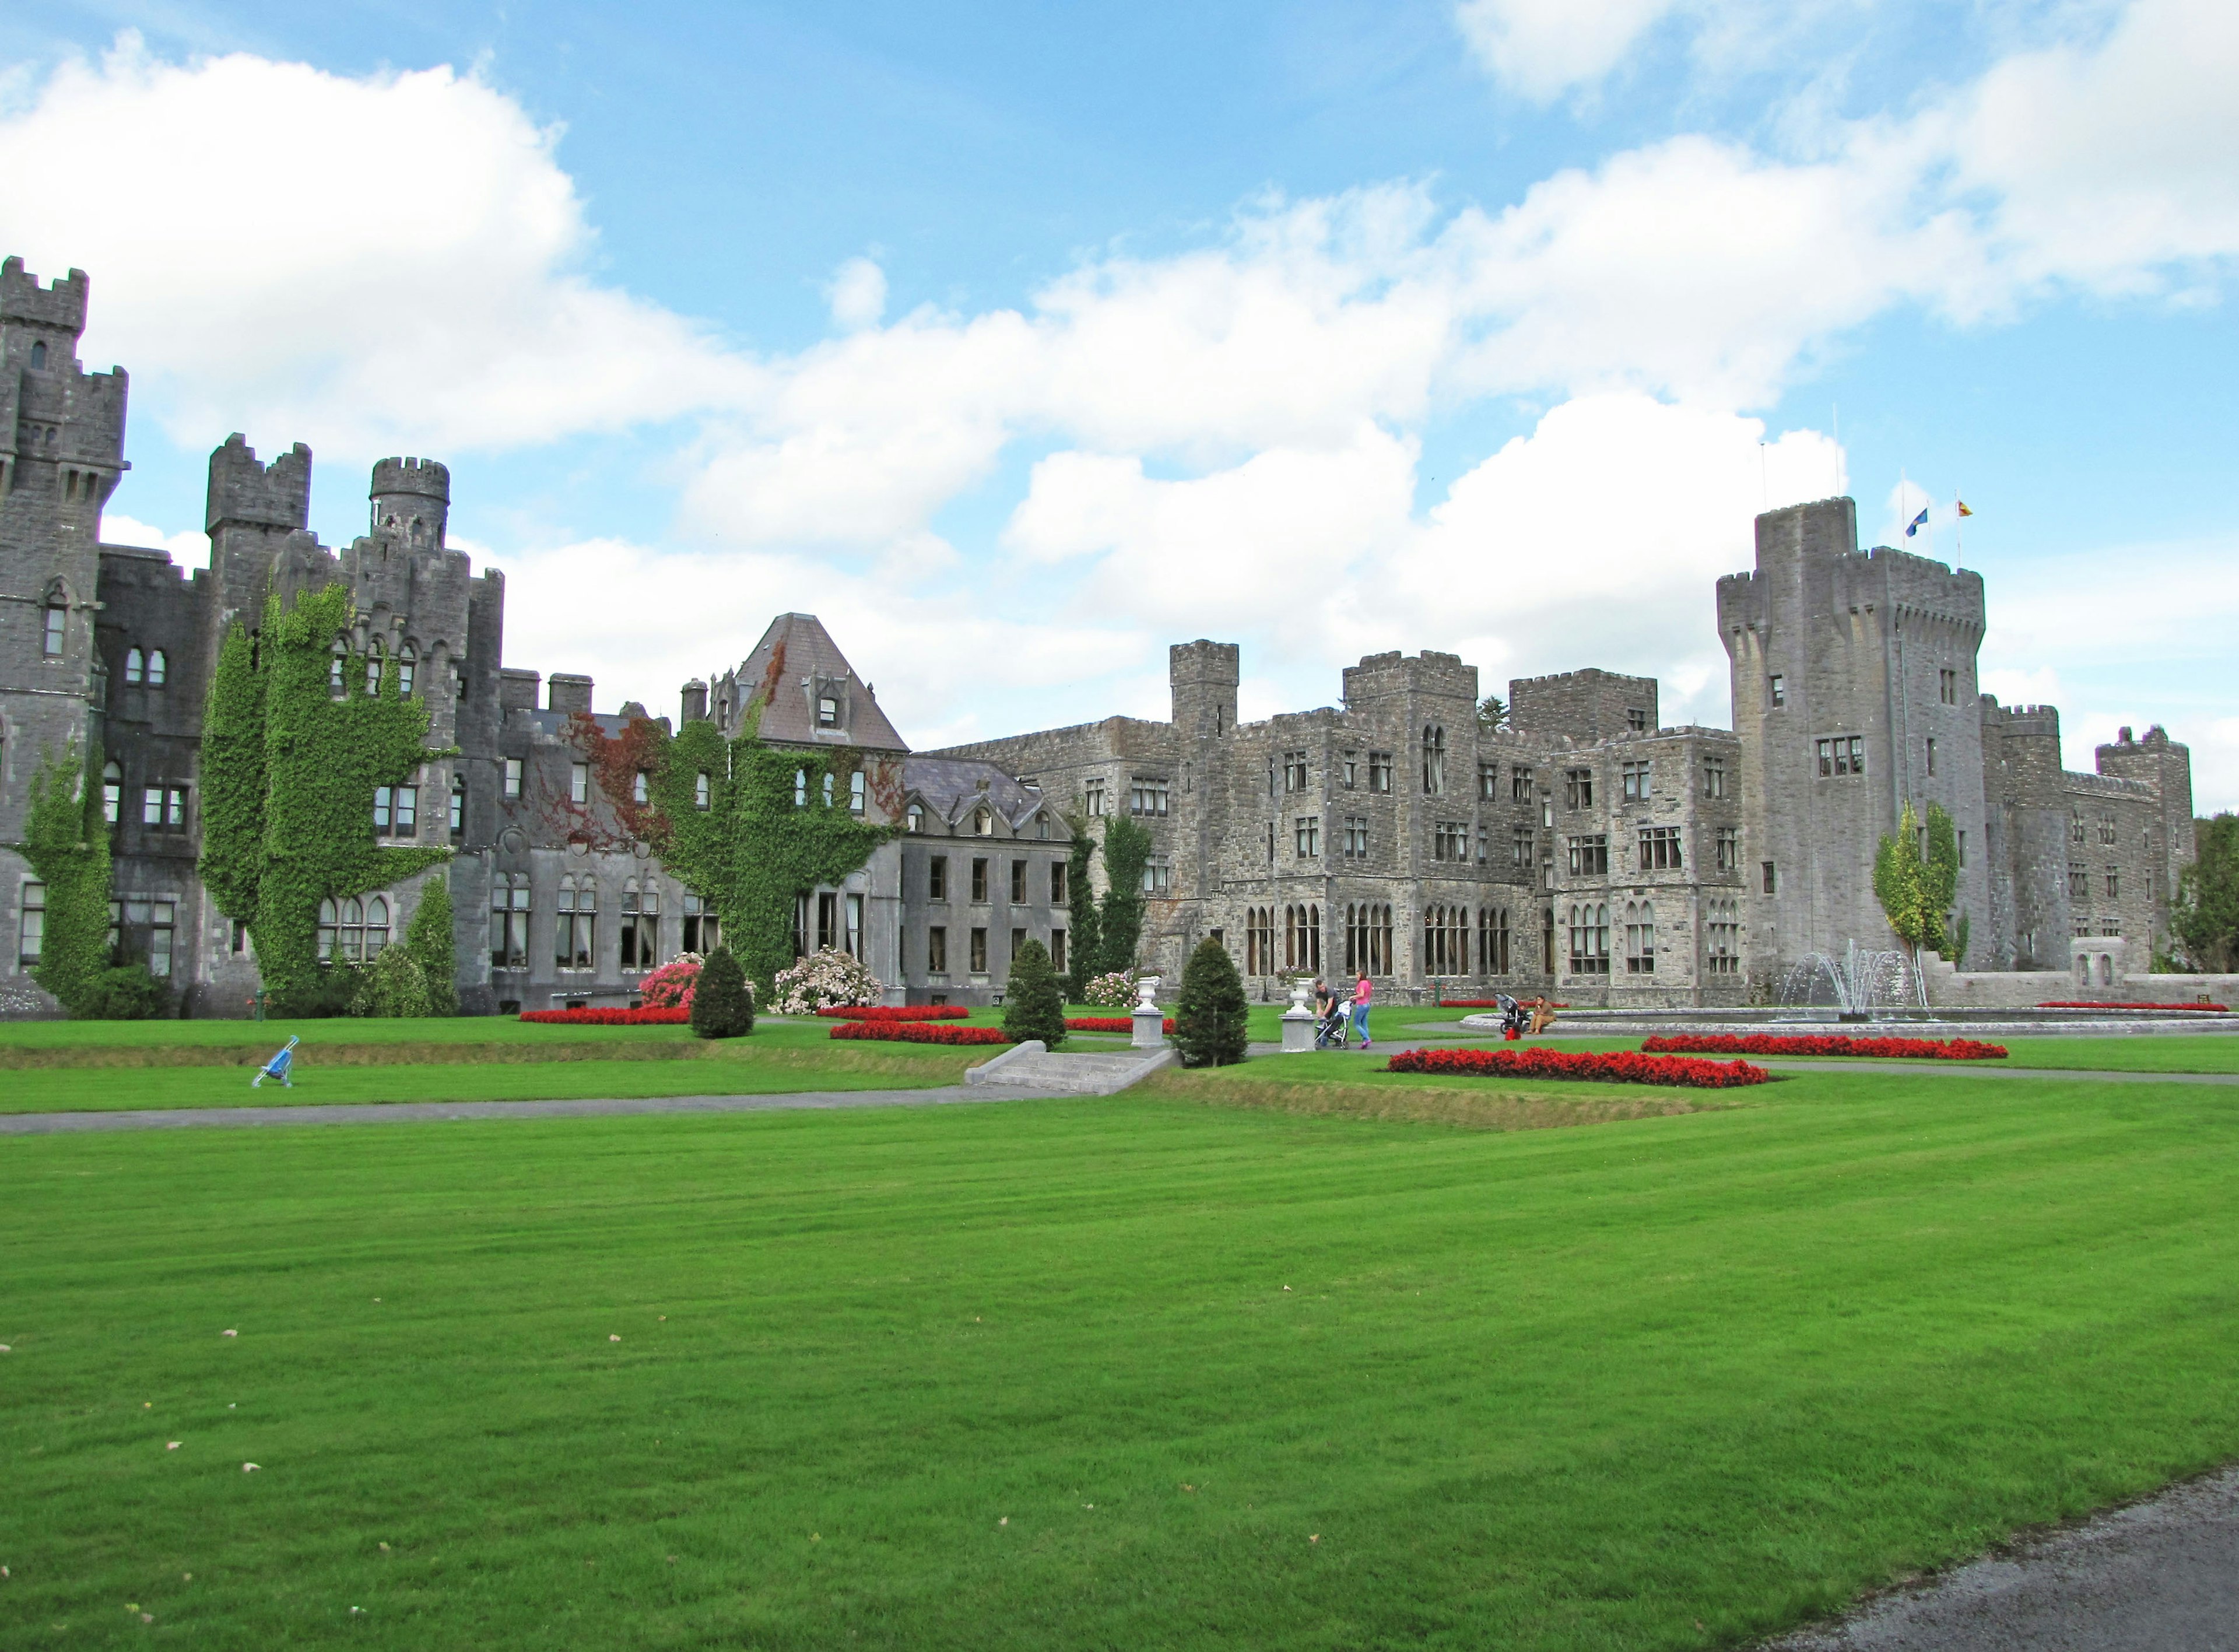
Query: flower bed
column 898, row 1012
column 920, row 1032
column 1110, row 1023
column 646, row 1017
column 1620, row 1067
column 1826, row 1044
column 2212, row 1009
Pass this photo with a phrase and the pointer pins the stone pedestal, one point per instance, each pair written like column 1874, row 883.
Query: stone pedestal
column 1298, row 1023
column 1150, row 1020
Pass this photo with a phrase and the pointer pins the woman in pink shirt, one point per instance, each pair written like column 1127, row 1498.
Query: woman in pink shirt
column 1361, row 993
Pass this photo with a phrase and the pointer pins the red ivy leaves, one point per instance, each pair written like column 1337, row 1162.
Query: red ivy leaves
column 608, row 1017
column 1828, row 1044
column 1620, row 1066
column 615, row 763
column 920, row 1032
column 900, row 1012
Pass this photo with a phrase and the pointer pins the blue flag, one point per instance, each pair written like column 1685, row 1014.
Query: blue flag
column 1917, row 523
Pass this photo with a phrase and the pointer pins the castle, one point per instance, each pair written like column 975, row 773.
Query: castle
column 1581, row 848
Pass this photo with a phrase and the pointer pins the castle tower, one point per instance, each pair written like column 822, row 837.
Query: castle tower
column 411, row 502
column 1203, row 676
column 1854, row 692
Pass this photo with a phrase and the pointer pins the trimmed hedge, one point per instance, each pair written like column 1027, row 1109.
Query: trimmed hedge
column 1113, row 1024
column 898, row 1012
column 1825, row 1044
column 920, row 1032
column 1620, row 1066
column 647, row 1017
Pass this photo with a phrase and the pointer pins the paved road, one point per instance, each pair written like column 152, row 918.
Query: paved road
column 2159, row 1576
column 188, row 1118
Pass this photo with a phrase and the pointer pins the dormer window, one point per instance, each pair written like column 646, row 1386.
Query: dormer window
column 827, row 710
column 914, row 818
column 983, row 822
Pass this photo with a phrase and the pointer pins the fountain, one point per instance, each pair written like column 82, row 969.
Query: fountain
column 1863, row 984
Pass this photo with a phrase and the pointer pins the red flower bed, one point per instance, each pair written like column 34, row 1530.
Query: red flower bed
column 1621, row 1067
column 920, row 1032
column 2212, row 1009
column 900, row 1012
column 1110, row 1023
column 1488, row 1003
column 1827, row 1044
column 608, row 1017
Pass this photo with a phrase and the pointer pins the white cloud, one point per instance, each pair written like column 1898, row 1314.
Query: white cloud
column 858, row 293
column 1543, row 48
column 189, row 549
column 367, row 263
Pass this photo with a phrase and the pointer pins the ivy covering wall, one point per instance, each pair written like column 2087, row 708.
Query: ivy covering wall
column 289, row 772
column 766, row 834
column 66, row 841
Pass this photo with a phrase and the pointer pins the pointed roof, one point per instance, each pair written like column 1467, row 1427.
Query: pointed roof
column 794, row 667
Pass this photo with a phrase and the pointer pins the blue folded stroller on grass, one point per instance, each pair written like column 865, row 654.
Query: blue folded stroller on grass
column 278, row 1066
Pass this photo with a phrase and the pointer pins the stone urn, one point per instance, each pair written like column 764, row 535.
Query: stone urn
column 1150, row 1021
column 1298, row 1021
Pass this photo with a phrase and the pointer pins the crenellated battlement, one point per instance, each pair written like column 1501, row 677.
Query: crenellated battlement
column 22, row 299
column 425, row 477
column 245, row 490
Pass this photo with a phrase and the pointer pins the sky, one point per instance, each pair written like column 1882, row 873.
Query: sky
column 1018, row 341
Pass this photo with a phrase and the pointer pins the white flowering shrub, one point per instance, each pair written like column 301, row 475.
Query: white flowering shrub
column 1117, row 987
column 826, row 980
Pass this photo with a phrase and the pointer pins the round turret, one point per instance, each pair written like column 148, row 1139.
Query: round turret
column 411, row 501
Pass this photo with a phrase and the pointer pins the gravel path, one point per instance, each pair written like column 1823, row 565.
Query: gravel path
column 2161, row 1575
column 188, row 1118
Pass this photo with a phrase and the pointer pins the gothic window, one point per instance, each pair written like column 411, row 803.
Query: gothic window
column 1367, row 939
column 373, row 666
column 38, row 356
column 1590, row 939
column 31, row 929
column 509, row 920
column 1723, row 956
column 407, row 662
column 339, row 657
column 1259, row 941
column 703, row 787
column 1488, row 781
column 1519, row 846
column 1640, row 938
column 1295, row 771
column 1492, row 941
column 350, row 931
column 1931, row 754
column 1041, row 825
column 574, row 939
column 112, row 790
column 1302, row 938
column 859, row 795
column 1434, row 760
column 158, row 668
column 1445, row 940
column 134, row 669
column 57, row 618
column 1349, row 769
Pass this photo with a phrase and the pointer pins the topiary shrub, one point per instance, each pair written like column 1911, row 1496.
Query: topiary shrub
column 722, row 1007
column 1033, row 1002
column 1209, row 1027
column 430, row 942
column 394, row 986
column 121, row 992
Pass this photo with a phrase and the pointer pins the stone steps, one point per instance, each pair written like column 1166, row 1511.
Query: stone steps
column 1033, row 1066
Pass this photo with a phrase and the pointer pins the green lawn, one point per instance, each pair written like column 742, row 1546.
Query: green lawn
column 1135, row 1372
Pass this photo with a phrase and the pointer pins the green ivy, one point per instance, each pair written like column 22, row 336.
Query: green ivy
column 66, row 841
column 287, row 790
column 752, row 850
column 1086, row 930
column 1126, row 852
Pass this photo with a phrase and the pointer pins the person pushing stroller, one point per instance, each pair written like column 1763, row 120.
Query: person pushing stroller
column 1332, row 1018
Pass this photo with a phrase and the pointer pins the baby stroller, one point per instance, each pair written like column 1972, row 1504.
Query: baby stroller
column 1334, row 1030
column 1515, row 1019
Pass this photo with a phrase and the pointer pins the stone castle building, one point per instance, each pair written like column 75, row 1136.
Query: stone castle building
column 1582, row 849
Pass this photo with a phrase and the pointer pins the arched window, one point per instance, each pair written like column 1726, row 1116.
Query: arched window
column 2106, row 969
column 914, row 818
column 573, row 944
column 158, row 667
column 801, row 789
column 352, row 930
column 858, row 792
column 458, row 804
column 509, row 920
column 329, row 931
column 1434, row 759
column 1302, row 937
column 406, row 660
column 112, row 790
column 1445, row 940
column 57, row 624
column 340, row 656
column 419, row 531
column 1492, row 941
column 827, row 790
column 703, row 790
column 38, row 356
column 2083, row 964
column 1590, row 939
column 376, row 926
column 1640, row 938
column 133, row 669
column 373, row 666
column 983, row 822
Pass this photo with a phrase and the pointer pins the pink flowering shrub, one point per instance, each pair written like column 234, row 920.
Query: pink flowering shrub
column 670, row 987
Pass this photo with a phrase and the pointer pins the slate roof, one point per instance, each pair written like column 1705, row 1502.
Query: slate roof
column 783, row 670
column 951, row 788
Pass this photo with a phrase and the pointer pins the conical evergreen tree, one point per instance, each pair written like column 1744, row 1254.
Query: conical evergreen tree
column 1210, row 1026
column 433, row 948
column 721, row 1007
column 1033, row 1002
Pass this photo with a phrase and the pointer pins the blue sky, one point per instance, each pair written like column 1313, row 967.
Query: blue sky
column 1018, row 341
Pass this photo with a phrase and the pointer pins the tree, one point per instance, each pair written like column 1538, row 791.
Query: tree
column 1492, row 714
column 1126, row 852
column 1916, row 875
column 66, row 841
column 1081, row 907
column 1033, row 1001
column 2205, row 910
column 431, row 941
column 721, row 1007
column 394, row 987
column 1209, row 1026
